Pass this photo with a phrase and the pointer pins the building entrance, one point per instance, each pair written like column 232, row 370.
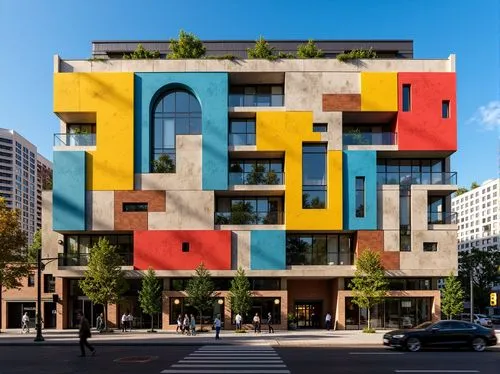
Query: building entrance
column 88, row 309
column 308, row 314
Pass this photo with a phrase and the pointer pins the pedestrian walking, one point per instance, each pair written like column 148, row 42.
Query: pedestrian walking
column 328, row 321
column 186, row 325
column 100, row 322
column 124, row 322
column 238, row 319
column 217, row 324
column 256, row 323
column 193, row 325
column 84, row 334
column 25, row 323
column 130, row 321
column 269, row 323
column 179, row 324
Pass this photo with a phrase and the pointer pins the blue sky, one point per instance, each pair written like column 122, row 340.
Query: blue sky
column 33, row 31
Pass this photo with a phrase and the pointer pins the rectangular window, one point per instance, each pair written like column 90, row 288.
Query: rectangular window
column 242, row 131
column 185, row 247
column 31, row 280
column 320, row 127
column 319, row 249
column 406, row 97
column 49, row 283
column 314, row 176
column 360, row 197
column 430, row 247
column 445, row 109
column 135, row 207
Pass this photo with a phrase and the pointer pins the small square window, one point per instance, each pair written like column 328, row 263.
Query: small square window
column 430, row 247
column 320, row 127
column 185, row 247
column 31, row 280
column 445, row 109
column 135, row 207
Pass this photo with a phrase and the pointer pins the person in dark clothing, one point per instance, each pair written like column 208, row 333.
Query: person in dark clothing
column 84, row 334
column 270, row 322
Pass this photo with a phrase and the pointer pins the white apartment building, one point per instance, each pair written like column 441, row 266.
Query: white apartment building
column 24, row 173
column 478, row 216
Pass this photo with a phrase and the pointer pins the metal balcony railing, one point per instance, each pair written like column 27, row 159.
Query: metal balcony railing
column 256, row 100
column 447, row 178
column 242, row 139
column 74, row 140
column 82, row 259
column 256, row 178
column 247, row 218
column 441, row 218
column 369, row 138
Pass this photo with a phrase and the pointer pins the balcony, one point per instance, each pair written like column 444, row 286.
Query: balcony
column 441, row 218
column 253, row 178
column 369, row 138
column 256, row 100
column 82, row 259
column 404, row 178
column 248, row 218
column 74, row 140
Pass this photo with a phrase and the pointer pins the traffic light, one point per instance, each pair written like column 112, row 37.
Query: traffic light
column 493, row 299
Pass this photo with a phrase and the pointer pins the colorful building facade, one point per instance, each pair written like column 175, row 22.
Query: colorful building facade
column 288, row 169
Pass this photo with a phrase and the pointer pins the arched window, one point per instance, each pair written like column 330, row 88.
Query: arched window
column 177, row 112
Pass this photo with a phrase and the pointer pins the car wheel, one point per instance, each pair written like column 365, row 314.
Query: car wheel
column 413, row 345
column 478, row 344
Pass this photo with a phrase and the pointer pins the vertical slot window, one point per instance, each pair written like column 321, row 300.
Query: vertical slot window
column 360, row 197
column 314, row 176
column 445, row 109
column 406, row 97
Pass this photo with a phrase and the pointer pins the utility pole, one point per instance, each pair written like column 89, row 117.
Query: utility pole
column 38, row 324
column 471, row 296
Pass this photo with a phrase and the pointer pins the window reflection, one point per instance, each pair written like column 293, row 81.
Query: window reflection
column 313, row 176
column 319, row 249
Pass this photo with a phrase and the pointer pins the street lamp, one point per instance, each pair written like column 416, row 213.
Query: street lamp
column 39, row 265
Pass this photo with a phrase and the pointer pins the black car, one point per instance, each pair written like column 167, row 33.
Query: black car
column 442, row 334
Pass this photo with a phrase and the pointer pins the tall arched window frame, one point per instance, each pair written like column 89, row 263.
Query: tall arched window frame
column 177, row 112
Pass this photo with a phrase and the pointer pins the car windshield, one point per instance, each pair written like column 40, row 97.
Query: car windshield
column 482, row 315
column 423, row 325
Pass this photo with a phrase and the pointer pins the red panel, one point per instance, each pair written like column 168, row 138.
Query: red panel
column 423, row 128
column 162, row 250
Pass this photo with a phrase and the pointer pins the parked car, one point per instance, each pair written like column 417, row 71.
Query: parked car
column 480, row 319
column 449, row 333
column 495, row 318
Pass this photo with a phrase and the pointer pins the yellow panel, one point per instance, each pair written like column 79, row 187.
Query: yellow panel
column 111, row 97
column 286, row 131
column 379, row 92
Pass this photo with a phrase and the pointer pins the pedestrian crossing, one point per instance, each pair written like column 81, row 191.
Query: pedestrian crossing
column 230, row 359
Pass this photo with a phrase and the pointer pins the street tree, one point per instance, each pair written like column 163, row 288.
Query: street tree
column 201, row 291
column 150, row 295
column 369, row 285
column 483, row 266
column 452, row 299
column 240, row 295
column 35, row 246
column 103, row 281
column 187, row 46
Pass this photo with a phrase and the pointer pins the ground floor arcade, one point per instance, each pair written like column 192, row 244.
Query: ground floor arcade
column 299, row 302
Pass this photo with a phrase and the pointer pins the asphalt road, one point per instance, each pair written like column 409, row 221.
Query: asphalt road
column 242, row 360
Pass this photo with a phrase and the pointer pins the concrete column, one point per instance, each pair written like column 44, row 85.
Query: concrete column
column 113, row 317
column 62, row 304
column 165, row 313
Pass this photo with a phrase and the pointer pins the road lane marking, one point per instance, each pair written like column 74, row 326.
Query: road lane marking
column 376, row 353
column 220, row 361
column 228, row 371
column 436, row 371
column 268, row 366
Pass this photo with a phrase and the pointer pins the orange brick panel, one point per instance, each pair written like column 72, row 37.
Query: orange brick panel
column 137, row 220
column 374, row 240
column 341, row 102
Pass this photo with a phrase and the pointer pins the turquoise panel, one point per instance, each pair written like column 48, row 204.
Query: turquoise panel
column 267, row 250
column 211, row 89
column 360, row 164
column 68, row 195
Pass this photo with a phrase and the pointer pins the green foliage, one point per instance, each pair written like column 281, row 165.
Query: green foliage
column 141, row 53
column 201, row 291
column 452, row 299
column 284, row 55
column 257, row 175
column 369, row 285
column 483, row 264
column 164, row 164
column 474, row 185
column 263, row 50
column 240, row 296
column 13, row 259
column 187, row 46
column 357, row 54
column 461, row 190
column 309, row 50
column 103, row 281
column 354, row 136
column 150, row 294
column 314, row 203
column 242, row 213
column 271, row 178
column 35, row 247
column 228, row 56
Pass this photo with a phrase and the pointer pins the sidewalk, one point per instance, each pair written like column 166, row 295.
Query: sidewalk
column 141, row 337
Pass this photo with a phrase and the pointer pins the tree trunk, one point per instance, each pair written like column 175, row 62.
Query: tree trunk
column 201, row 321
column 152, row 323
column 105, row 317
column 369, row 318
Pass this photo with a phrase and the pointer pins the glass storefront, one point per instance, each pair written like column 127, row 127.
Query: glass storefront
column 179, row 306
column 393, row 313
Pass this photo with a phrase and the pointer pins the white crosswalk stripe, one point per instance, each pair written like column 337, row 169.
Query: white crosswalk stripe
column 230, row 360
